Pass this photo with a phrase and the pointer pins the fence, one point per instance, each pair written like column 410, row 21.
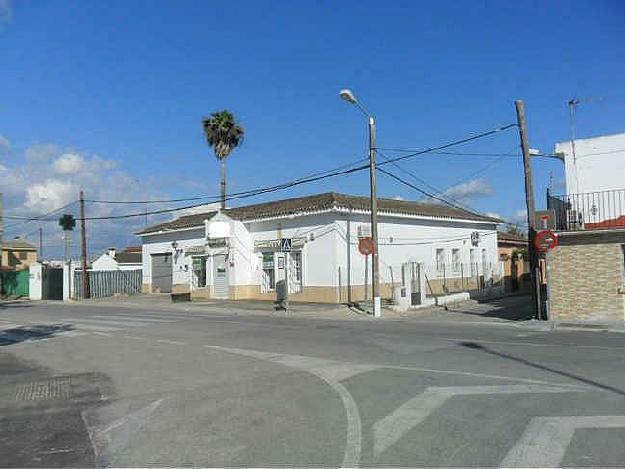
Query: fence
column 589, row 211
column 104, row 283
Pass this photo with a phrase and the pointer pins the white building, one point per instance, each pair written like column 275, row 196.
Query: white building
column 128, row 259
column 597, row 164
column 595, row 184
column 236, row 253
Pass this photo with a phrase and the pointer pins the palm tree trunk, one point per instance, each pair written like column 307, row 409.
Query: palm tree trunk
column 223, row 183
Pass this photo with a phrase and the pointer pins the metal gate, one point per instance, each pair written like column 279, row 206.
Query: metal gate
column 162, row 272
column 52, row 283
column 15, row 283
column 220, row 276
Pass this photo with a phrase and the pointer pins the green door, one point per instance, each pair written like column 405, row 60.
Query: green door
column 15, row 284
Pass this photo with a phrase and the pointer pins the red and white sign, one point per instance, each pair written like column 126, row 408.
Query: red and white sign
column 366, row 246
column 545, row 240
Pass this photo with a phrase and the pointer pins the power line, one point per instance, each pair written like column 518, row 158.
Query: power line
column 37, row 217
column 305, row 180
column 399, row 179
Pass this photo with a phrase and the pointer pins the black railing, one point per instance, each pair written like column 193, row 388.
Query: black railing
column 589, row 211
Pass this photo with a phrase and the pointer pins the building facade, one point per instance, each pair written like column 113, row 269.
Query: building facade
column 237, row 253
column 18, row 254
column 512, row 251
column 127, row 259
column 586, row 271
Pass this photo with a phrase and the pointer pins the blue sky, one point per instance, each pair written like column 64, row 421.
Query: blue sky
column 121, row 87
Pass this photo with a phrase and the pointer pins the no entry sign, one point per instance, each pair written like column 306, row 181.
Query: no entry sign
column 545, row 240
column 366, row 246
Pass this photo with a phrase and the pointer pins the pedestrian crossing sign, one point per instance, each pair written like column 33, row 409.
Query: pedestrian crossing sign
column 285, row 244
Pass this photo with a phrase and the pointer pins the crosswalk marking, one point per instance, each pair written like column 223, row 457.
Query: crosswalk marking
column 391, row 428
column 545, row 440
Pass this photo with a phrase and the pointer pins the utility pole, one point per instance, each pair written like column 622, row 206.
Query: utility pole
column 375, row 260
column 83, row 247
column 529, row 200
column 40, row 244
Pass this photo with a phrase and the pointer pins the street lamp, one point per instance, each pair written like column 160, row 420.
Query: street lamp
column 349, row 96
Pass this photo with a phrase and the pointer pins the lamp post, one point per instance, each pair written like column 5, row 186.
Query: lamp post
column 349, row 96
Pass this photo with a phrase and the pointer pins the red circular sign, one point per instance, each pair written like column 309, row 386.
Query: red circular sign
column 545, row 240
column 366, row 246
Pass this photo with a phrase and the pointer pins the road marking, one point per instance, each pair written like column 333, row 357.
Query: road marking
column 131, row 318
column 112, row 323
column 103, row 334
column 93, row 327
column 390, row 429
column 173, row 342
column 331, row 372
column 545, row 440
column 107, row 440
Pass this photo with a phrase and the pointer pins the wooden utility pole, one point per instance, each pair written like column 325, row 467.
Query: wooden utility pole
column 529, row 200
column 83, row 248
column 375, row 259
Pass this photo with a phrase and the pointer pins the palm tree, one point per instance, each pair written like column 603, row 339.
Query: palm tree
column 223, row 134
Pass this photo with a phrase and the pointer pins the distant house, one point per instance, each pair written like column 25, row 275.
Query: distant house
column 128, row 259
column 512, row 249
column 18, row 254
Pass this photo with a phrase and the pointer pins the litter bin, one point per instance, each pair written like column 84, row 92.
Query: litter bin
column 282, row 295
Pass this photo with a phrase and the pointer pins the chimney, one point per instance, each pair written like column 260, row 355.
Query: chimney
column 111, row 253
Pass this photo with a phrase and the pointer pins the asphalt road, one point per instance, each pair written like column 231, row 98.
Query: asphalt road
column 141, row 385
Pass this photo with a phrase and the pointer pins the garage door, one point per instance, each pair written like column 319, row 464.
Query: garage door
column 161, row 273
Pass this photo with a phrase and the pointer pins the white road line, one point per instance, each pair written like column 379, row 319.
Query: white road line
column 108, row 440
column 545, row 440
column 390, row 429
column 113, row 323
column 331, row 372
column 131, row 318
column 135, row 337
column 172, row 342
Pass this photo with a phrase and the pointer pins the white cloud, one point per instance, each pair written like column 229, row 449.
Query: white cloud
column 5, row 145
column 398, row 197
column 473, row 189
column 6, row 11
column 69, row 163
column 48, row 195
column 492, row 214
column 47, row 178
column 40, row 152
column 520, row 216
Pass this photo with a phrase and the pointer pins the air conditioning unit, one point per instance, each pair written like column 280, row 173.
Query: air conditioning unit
column 364, row 231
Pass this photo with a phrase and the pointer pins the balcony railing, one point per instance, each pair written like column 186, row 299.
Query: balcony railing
column 589, row 211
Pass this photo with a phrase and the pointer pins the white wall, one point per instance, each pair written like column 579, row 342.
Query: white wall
column 599, row 164
column 413, row 240
column 104, row 262
column 35, row 281
column 318, row 254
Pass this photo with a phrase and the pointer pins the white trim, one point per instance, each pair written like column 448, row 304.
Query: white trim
column 175, row 230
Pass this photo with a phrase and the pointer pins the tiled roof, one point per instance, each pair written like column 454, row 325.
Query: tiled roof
column 18, row 243
column 128, row 256
column 511, row 238
column 322, row 202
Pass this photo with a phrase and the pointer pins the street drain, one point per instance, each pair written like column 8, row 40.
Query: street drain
column 54, row 388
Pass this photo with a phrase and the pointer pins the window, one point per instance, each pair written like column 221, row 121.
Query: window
column 484, row 263
column 199, row 271
column 440, row 260
column 472, row 262
column 269, row 270
column 23, row 256
column 296, row 258
column 455, row 260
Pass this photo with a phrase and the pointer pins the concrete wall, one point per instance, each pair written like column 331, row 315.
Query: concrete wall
column 599, row 164
column 585, row 277
column 35, row 281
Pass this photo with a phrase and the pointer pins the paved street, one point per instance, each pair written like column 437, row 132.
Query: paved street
column 151, row 383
